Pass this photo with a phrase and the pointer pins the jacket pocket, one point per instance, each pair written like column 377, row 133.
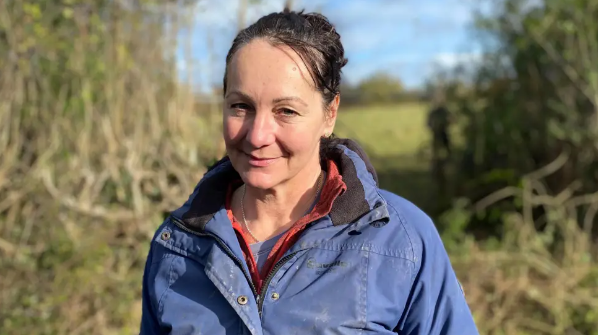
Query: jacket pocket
column 323, row 291
column 186, row 301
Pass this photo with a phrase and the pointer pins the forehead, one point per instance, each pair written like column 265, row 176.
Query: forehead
column 260, row 67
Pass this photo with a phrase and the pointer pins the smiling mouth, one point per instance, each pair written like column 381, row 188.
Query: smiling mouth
column 260, row 161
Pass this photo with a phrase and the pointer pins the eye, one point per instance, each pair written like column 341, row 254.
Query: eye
column 240, row 106
column 287, row 112
column 240, row 109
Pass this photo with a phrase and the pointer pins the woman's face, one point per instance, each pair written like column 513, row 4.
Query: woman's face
column 273, row 115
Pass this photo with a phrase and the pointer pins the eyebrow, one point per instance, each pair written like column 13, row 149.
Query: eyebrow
column 296, row 99
column 241, row 94
column 277, row 100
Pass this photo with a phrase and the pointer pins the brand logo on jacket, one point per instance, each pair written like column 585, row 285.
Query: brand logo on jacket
column 325, row 267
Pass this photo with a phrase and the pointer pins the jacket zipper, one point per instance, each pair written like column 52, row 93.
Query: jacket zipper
column 262, row 295
column 277, row 266
column 229, row 252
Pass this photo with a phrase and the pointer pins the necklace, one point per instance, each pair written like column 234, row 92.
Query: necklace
column 243, row 206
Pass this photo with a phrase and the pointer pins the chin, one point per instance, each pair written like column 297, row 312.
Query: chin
column 259, row 179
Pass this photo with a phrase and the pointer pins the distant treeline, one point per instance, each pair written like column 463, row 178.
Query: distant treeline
column 378, row 88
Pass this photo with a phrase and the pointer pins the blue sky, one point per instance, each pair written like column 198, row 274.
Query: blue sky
column 404, row 38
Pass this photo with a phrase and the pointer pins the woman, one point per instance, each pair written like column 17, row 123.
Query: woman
column 290, row 234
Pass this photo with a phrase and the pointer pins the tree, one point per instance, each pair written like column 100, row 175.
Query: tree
column 380, row 88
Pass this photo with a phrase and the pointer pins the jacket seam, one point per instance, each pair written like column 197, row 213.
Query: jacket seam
column 403, row 224
column 153, row 302
column 173, row 248
column 170, row 244
column 371, row 251
column 393, row 256
column 365, row 292
column 170, row 277
column 229, row 297
column 180, row 252
column 165, row 256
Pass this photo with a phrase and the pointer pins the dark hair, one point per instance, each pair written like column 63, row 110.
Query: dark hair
column 311, row 36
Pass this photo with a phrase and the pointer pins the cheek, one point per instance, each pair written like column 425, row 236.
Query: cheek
column 299, row 141
column 232, row 129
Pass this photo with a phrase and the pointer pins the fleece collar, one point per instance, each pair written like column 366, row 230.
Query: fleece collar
column 358, row 174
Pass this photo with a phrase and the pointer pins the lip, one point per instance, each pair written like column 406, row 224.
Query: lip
column 259, row 161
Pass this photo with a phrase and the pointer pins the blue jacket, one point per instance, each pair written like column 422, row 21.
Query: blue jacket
column 374, row 265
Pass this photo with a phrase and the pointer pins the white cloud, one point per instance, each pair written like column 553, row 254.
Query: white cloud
column 363, row 39
column 400, row 37
column 223, row 14
column 397, row 64
column 456, row 12
column 453, row 59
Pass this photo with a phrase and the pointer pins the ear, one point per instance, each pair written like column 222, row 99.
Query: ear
column 331, row 114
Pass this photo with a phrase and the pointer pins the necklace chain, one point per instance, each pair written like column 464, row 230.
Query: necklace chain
column 243, row 206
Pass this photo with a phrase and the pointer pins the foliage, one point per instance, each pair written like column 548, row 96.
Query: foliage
column 97, row 141
column 536, row 275
column 529, row 105
column 531, row 281
column 532, row 97
column 379, row 88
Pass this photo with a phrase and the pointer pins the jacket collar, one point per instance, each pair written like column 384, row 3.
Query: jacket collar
column 358, row 174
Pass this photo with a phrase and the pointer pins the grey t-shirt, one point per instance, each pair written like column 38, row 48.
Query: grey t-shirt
column 261, row 250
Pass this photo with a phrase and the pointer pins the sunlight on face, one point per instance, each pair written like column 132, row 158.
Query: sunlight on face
column 273, row 115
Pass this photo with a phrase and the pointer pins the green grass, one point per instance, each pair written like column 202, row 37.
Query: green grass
column 386, row 131
column 397, row 141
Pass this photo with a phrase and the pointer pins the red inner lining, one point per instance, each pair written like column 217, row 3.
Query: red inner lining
column 333, row 187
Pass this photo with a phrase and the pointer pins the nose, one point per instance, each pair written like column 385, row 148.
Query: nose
column 261, row 130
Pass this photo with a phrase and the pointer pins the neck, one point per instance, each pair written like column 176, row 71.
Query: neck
column 270, row 212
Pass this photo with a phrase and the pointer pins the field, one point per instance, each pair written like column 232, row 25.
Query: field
column 93, row 156
column 514, row 285
column 397, row 141
column 386, row 131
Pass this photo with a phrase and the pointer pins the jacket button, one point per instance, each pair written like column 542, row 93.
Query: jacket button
column 242, row 300
column 275, row 296
column 165, row 236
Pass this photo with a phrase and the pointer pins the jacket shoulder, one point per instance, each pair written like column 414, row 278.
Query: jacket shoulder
column 436, row 289
column 417, row 225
